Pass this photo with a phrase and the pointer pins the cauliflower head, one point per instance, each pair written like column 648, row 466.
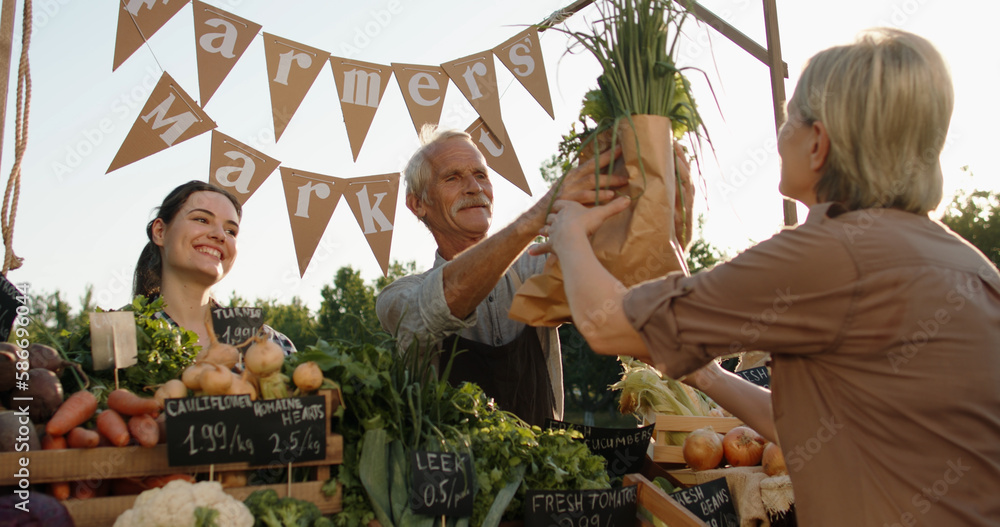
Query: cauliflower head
column 174, row 504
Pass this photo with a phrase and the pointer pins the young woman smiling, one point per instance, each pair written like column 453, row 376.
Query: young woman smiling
column 192, row 246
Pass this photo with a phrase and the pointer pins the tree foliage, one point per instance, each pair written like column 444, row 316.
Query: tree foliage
column 975, row 216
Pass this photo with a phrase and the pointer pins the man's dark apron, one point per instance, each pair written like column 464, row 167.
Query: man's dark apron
column 515, row 374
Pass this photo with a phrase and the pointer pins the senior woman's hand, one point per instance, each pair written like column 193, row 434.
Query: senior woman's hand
column 569, row 225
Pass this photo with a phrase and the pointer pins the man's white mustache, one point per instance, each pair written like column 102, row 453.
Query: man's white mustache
column 475, row 201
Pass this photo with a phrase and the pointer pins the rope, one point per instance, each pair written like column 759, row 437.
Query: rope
column 23, row 104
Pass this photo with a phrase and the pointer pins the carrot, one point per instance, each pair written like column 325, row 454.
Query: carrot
column 59, row 489
column 81, row 437
column 50, row 442
column 127, row 486
column 74, row 411
column 144, row 429
column 128, row 403
column 152, row 482
column 87, row 488
column 112, row 426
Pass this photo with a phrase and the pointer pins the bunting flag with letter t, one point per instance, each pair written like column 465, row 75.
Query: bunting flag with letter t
column 238, row 168
column 291, row 70
column 522, row 54
column 499, row 156
column 137, row 21
column 361, row 86
column 373, row 201
column 423, row 89
column 169, row 117
column 311, row 199
column 220, row 40
column 476, row 78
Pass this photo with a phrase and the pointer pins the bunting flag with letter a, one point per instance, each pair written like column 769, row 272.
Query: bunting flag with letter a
column 373, row 201
column 291, row 70
column 311, row 199
column 423, row 89
column 361, row 86
column 522, row 54
column 169, row 117
column 476, row 78
column 499, row 156
column 138, row 20
column 220, row 40
column 237, row 167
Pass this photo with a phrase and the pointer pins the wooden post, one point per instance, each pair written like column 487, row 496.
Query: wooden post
column 778, row 74
column 6, row 50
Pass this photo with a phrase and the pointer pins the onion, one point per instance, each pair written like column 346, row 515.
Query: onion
column 773, row 460
column 743, row 446
column 172, row 389
column 191, row 375
column 215, row 379
column 264, row 357
column 307, row 376
column 703, row 449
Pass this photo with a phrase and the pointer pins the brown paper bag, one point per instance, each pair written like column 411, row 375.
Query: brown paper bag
column 636, row 245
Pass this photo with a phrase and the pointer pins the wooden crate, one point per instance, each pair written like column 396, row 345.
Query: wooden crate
column 97, row 464
column 661, row 505
column 673, row 454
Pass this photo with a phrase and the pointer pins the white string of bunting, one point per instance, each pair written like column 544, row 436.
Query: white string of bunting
column 170, row 116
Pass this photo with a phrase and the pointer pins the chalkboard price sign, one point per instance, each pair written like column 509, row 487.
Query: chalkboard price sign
column 234, row 325
column 443, row 483
column 581, row 508
column 12, row 302
column 711, row 502
column 623, row 448
column 232, row 428
column 759, row 376
column 288, row 430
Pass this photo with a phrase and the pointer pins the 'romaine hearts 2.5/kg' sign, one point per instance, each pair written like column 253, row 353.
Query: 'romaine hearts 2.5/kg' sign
column 443, row 483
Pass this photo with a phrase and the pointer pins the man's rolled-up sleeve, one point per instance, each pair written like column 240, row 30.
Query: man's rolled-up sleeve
column 414, row 307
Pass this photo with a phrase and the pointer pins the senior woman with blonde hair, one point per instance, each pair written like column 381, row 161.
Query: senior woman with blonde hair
column 883, row 325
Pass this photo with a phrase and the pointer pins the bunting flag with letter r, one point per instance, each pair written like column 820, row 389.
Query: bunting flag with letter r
column 311, row 199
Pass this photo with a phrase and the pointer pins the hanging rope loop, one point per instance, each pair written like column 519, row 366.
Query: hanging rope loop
column 23, row 104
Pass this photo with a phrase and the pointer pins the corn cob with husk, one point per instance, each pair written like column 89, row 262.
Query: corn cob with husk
column 646, row 393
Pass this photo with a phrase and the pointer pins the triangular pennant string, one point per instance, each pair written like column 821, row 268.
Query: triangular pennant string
column 238, row 168
column 373, row 201
column 221, row 38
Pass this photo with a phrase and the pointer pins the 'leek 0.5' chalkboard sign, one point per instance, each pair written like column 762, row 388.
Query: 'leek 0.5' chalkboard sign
column 232, row 428
column 759, row 376
column 443, row 484
column 711, row 502
column 623, row 448
column 581, row 508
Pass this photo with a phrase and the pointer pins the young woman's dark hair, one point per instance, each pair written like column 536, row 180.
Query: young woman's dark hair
column 149, row 268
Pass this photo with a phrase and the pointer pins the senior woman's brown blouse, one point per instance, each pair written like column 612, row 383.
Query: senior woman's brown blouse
column 884, row 328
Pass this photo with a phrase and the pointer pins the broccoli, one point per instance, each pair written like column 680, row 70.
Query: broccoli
column 271, row 511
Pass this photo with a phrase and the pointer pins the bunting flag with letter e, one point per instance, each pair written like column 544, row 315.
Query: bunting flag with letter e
column 373, row 201
column 311, row 199
column 476, row 78
column 291, row 70
column 169, row 117
column 138, row 20
column 361, row 86
column 220, row 40
column 423, row 89
column 238, row 168
column 499, row 156
column 522, row 54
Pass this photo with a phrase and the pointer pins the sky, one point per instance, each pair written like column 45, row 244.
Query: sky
column 78, row 226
